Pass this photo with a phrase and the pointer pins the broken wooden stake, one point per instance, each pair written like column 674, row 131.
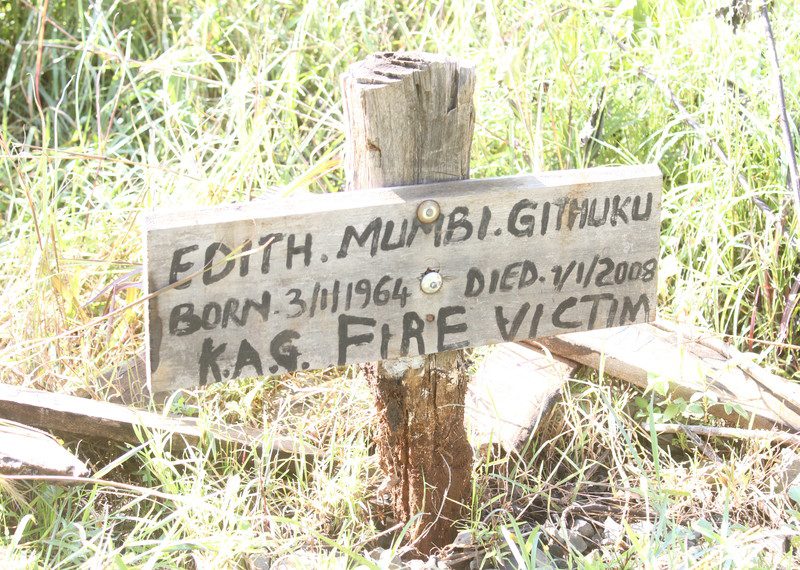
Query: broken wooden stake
column 409, row 120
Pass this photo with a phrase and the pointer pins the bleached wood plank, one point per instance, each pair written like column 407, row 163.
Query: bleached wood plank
column 520, row 257
column 86, row 418
column 512, row 391
column 172, row 217
column 692, row 362
column 28, row 451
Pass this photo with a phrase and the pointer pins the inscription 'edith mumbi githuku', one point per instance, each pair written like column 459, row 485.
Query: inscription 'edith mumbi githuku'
column 337, row 279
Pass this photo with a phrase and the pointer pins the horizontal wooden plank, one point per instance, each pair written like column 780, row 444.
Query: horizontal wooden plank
column 275, row 286
column 65, row 414
column 309, row 204
column 692, row 363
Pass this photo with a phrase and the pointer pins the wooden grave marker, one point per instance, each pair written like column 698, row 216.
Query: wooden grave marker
column 274, row 286
column 383, row 276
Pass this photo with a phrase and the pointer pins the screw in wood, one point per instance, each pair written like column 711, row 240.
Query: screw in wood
column 428, row 211
column 431, row 282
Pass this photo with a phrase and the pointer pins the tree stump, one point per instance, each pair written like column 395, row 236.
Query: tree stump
column 409, row 119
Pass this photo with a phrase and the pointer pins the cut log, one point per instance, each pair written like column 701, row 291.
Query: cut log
column 28, row 451
column 86, row 418
column 409, row 119
column 512, row 391
column 692, row 362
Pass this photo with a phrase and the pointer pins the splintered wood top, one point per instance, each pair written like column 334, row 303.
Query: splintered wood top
column 272, row 286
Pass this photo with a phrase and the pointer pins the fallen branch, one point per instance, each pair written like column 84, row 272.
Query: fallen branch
column 731, row 432
column 103, row 483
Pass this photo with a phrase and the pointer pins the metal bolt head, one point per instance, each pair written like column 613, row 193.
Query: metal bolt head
column 431, row 282
column 428, row 211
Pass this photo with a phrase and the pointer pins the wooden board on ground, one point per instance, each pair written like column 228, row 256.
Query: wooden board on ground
column 269, row 287
column 511, row 393
column 692, row 362
column 28, row 451
column 64, row 414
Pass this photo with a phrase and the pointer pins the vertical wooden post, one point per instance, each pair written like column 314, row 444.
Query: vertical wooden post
column 409, row 119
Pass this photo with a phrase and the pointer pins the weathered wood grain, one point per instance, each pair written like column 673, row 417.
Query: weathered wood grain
column 64, row 414
column 409, row 120
column 589, row 262
column 692, row 362
column 28, row 451
column 512, row 391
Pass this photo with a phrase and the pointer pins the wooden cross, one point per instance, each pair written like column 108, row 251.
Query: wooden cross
column 403, row 276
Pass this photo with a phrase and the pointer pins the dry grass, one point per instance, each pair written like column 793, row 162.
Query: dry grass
column 114, row 107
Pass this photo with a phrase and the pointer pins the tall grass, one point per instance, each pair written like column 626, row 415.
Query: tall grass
column 117, row 106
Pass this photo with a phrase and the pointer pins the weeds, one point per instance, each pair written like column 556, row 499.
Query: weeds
column 112, row 107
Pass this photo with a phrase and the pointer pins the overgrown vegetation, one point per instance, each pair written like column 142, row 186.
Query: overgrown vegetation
column 113, row 107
